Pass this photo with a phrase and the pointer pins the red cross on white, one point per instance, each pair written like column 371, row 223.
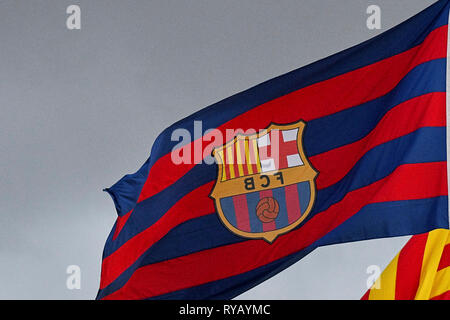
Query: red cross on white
column 278, row 150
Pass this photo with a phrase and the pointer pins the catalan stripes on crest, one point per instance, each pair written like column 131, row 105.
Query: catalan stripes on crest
column 240, row 158
column 253, row 155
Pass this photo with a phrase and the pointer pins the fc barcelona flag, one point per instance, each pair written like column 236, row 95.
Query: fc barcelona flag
column 352, row 147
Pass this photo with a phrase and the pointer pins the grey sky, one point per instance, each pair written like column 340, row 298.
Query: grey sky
column 79, row 109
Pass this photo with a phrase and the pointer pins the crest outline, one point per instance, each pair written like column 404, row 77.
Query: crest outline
column 303, row 173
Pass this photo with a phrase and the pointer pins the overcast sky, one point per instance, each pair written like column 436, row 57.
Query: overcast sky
column 81, row 108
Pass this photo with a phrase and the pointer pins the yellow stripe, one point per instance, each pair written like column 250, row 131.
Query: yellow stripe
column 255, row 152
column 433, row 251
column 230, row 160
column 387, row 282
column 239, row 158
column 247, row 157
column 222, row 162
column 441, row 283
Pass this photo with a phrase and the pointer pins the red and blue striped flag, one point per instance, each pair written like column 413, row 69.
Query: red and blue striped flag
column 352, row 147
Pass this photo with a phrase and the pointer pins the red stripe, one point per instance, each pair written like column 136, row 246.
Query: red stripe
column 366, row 295
column 445, row 258
column 327, row 97
column 409, row 267
column 268, row 226
column 273, row 150
column 429, row 110
column 292, row 203
column 243, row 160
column 121, row 220
column 417, row 181
column 285, row 149
column 241, row 210
column 187, row 208
column 424, row 111
column 225, row 165
column 444, row 296
column 235, row 162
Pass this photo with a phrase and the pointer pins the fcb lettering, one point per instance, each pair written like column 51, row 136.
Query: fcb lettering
column 249, row 183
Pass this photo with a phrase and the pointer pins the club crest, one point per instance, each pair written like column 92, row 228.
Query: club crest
column 265, row 185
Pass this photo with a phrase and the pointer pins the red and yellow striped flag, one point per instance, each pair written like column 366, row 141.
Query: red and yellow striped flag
column 421, row 270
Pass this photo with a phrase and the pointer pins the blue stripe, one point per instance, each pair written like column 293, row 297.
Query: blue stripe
column 126, row 191
column 252, row 202
column 423, row 145
column 399, row 39
column 304, row 193
column 402, row 217
column 183, row 239
column 201, row 174
column 228, row 210
column 207, row 232
column 353, row 124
